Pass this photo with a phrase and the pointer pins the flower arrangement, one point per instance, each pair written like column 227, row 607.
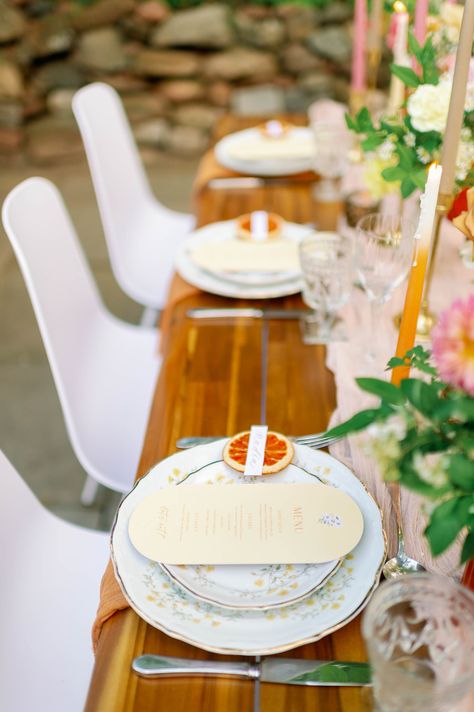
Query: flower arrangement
column 399, row 148
column 422, row 433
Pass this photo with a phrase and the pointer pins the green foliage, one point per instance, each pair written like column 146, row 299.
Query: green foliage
column 411, row 150
column 435, row 455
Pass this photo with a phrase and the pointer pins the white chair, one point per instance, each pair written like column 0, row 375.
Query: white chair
column 142, row 235
column 51, row 572
column 104, row 369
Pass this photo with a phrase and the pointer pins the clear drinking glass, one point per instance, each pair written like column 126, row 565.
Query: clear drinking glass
column 333, row 145
column 383, row 255
column 419, row 633
column 327, row 265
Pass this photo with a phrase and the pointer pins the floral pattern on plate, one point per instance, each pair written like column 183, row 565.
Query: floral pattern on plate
column 160, row 602
column 250, row 587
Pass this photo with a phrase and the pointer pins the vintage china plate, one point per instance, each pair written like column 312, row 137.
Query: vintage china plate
column 262, row 166
column 166, row 606
column 250, row 587
column 241, row 285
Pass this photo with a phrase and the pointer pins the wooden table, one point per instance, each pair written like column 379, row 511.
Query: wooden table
column 210, row 385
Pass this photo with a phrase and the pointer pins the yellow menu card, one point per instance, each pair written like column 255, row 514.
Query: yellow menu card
column 246, row 524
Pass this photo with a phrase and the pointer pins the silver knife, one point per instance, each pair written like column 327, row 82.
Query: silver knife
column 249, row 313
column 287, row 671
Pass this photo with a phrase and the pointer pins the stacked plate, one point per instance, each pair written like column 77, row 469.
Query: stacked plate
column 253, row 153
column 249, row 610
column 216, row 261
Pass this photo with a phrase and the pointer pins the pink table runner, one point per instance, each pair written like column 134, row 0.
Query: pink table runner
column 346, row 360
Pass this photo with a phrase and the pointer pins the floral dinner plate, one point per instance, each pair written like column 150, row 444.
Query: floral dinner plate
column 167, row 606
column 250, row 586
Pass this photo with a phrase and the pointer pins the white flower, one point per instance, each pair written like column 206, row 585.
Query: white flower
column 423, row 155
column 431, row 468
column 451, row 15
column 409, row 139
column 384, row 444
column 377, row 186
column 386, row 149
column 465, row 159
column 428, row 106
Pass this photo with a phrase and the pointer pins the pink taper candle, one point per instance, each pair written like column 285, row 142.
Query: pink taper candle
column 359, row 60
column 421, row 15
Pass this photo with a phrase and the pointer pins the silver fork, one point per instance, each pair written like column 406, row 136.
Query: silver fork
column 316, row 440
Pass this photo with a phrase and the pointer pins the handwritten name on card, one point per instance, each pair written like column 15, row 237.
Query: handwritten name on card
column 256, row 451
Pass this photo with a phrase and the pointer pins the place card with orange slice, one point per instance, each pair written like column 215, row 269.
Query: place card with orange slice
column 262, row 524
column 250, row 609
column 258, row 253
column 270, row 149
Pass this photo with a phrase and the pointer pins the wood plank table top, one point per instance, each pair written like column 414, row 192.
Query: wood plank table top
column 210, row 385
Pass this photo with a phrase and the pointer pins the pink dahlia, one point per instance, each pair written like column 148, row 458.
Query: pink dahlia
column 453, row 344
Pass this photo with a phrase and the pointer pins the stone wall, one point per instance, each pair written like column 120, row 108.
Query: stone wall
column 176, row 71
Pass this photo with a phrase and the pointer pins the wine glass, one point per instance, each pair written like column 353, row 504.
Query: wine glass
column 333, row 145
column 327, row 264
column 383, row 255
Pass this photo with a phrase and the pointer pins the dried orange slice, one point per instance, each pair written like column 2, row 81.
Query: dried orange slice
column 278, row 452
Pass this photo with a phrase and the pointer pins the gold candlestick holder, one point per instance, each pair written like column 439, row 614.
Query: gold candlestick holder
column 426, row 318
column 373, row 64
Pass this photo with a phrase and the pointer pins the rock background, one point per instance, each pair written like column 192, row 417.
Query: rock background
column 177, row 72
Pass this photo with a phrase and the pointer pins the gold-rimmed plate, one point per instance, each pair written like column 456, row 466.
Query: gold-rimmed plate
column 250, row 587
column 168, row 607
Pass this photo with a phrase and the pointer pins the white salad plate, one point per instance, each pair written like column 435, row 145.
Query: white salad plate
column 240, row 286
column 170, row 608
column 250, row 587
column 268, row 166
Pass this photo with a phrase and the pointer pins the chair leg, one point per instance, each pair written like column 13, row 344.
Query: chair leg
column 89, row 492
column 149, row 317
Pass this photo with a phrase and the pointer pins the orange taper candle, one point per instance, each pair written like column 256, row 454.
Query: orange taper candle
column 416, row 280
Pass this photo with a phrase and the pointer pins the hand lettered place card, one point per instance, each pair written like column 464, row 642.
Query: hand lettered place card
column 246, row 524
column 256, row 451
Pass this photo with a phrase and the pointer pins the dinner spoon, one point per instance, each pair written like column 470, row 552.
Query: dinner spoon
column 401, row 564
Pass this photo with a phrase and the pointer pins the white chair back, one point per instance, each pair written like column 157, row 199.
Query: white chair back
column 104, row 369
column 142, row 234
column 51, row 573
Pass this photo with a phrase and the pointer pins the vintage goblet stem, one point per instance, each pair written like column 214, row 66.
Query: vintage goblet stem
column 383, row 253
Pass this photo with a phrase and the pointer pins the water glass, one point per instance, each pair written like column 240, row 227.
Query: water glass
column 333, row 145
column 327, row 264
column 383, row 256
column 419, row 633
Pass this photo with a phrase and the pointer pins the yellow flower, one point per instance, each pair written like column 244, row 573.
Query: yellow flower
column 375, row 183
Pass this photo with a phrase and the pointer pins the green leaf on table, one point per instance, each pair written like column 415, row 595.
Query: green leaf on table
column 397, row 361
column 392, row 173
column 444, row 527
column 373, row 141
column 414, row 46
column 461, row 472
column 419, row 178
column 364, row 120
column 407, row 187
column 406, row 75
column 421, row 395
column 359, row 421
column 406, row 157
column 383, row 389
column 428, row 60
column 410, row 479
column 351, row 124
column 468, row 548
